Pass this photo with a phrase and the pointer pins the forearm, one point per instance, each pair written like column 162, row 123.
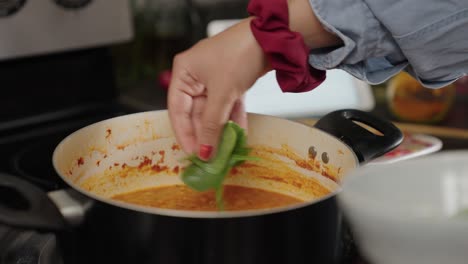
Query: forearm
column 302, row 19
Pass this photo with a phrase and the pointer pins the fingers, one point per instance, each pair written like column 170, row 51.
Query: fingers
column 238, row 113
column 216, row 113
column 198, row 119
column 199, row 103
column 180, row 109
column 183, row 88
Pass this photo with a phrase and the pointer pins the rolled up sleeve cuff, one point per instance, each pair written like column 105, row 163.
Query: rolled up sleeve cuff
column 368, row 52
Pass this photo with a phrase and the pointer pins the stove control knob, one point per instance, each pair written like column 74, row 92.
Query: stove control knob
column 8, row 7
column 72, row 4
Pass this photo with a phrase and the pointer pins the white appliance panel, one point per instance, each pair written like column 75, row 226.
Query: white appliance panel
column 44, row 26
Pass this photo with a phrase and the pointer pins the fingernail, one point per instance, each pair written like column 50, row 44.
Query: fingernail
column 205, row 151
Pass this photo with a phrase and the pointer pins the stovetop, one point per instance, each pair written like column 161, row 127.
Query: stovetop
column 26, row 145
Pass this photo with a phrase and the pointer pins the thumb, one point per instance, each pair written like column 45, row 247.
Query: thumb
column 216, row 113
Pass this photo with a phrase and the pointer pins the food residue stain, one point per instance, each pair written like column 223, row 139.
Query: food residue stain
column 175, row 147
column 158, row 168
column 146, row 161
column 270, row 168
column 121, row 147
column 309, row 164
column 162, row 153
column 108, row 133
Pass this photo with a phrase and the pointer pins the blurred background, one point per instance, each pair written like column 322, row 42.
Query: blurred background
column 163, row 28
column 123, row 51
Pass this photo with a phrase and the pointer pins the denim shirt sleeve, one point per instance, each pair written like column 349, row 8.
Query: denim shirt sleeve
column 427, row 38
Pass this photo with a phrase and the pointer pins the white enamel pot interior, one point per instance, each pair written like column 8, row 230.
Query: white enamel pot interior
column 139, row 151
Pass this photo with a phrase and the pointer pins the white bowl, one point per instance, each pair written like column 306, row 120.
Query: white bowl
column 412, row 212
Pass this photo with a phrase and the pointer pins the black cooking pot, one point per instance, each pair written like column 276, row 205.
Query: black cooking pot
column 108, row 231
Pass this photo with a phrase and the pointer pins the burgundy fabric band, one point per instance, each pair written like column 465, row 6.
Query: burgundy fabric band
column 285, row 50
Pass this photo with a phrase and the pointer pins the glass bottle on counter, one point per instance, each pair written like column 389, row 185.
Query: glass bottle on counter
column 409, row 101
column 161, row 30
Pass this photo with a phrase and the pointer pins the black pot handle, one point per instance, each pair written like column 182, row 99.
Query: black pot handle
column 364, row 143
column 26, row 206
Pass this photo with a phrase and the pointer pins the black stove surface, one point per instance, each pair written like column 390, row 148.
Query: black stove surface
column 26, row 146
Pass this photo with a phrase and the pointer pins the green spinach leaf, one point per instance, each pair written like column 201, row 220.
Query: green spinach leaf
column 206, row 175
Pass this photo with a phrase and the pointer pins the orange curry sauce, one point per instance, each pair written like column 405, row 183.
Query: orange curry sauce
column 183, row 198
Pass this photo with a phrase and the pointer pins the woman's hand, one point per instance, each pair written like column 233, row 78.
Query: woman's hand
column 207, row 87
column 209, row 80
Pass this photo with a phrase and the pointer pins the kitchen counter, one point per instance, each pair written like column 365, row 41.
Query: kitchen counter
column 453, row 130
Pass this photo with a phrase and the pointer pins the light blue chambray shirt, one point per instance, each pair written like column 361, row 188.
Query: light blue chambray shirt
column 427, row 38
